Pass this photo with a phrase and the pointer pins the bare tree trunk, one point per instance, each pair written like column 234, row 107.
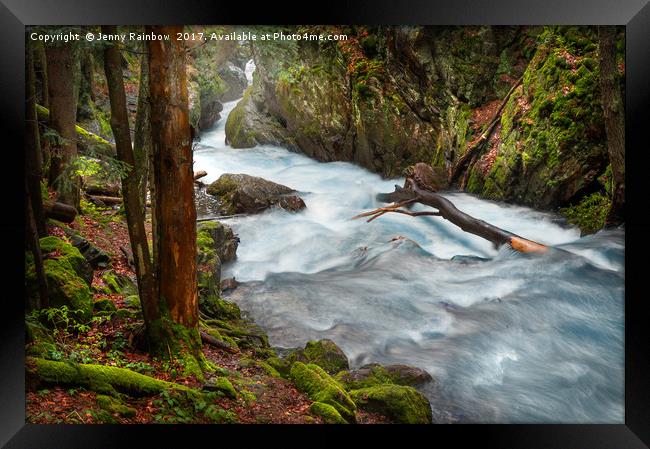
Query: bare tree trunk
column 130, row 189
column 142, row 136
column 174, row 186
column 33, row 156
column 614, row 122
column 32, row 242
column 63, row 111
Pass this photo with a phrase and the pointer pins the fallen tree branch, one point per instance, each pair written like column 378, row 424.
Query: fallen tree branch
column 411, row 193
column 472, row 153
column 220, row 217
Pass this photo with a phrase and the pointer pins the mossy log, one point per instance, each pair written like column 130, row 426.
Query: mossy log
column 99, row 378
column 85, row 138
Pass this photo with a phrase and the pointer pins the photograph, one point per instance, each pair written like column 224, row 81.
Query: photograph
column 325, row 224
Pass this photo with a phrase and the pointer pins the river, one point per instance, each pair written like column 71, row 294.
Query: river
column 510, row 338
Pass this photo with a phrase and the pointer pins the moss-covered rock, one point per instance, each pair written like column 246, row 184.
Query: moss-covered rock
column 321, row 387
column 241, row 193
column 216, row 243
column 401, row 403
column 551, row 148
column 216, row 307
column 119, row 283
column 376, row 374
column 324, row 353
column 329, row 414
column 104, row 305
column 221, row 384
column 39, row 339
column 65, row 287
column 60, row 250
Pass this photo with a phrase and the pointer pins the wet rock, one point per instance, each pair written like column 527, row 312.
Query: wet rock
column 229, row 284
column 216, row 244
column 403, row 404
column 320, row 387
column 235, row 80
column 240, row 193
column 324, row 353
column 376, row 374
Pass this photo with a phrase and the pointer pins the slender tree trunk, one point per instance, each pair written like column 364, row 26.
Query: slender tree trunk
column 33, row 156
column 63, row 108
column 614, row 121
column 130, row 189
column 174, row 186
column 142, row 136
column 32, row 243
column 40, row 63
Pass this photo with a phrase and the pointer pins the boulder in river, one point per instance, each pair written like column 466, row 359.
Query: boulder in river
column 376, row 374
column 324, row 353
column 403, row 404
column 240, row 193
column 235, row 81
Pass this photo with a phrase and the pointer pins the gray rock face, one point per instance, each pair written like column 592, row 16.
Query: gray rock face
column 235, row 80
column 240, row 193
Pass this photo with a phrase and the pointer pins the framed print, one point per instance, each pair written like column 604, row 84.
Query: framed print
column 421, row 214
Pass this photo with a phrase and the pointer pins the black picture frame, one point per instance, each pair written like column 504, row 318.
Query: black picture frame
column 634, row 14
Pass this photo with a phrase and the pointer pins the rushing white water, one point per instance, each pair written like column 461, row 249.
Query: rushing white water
column 509, row 337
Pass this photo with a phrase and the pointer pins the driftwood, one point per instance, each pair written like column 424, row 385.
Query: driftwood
column 411, row 193
column 219, row 344
column 59, row 211
column 471, row 155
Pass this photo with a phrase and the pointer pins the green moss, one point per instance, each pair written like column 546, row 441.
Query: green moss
column 67, row 252
column 377, row 375
column 402, row 403
column 327, row 412
column 320, row 386
column 112, row 405
column 104, row 305
column 589, row 214
column 223, row 385
column 220, row 308
column 98, row 377
column 324, row 353
column 282, row 367
column 65, row 287
column 237, row 136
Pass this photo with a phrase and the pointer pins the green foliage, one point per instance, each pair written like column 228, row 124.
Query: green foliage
column 589, row 214
column 180, row 408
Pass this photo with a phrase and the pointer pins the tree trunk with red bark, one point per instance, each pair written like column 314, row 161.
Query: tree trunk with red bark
column 175, row 220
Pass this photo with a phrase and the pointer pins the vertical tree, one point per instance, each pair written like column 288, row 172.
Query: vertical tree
column 175, row 212
column 34, row 216
column 614, row 121
column 130, row 187
column 142, row 136
column 33, row 155
column 63, row 111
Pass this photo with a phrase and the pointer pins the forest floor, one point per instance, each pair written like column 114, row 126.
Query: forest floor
column 112, row 341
